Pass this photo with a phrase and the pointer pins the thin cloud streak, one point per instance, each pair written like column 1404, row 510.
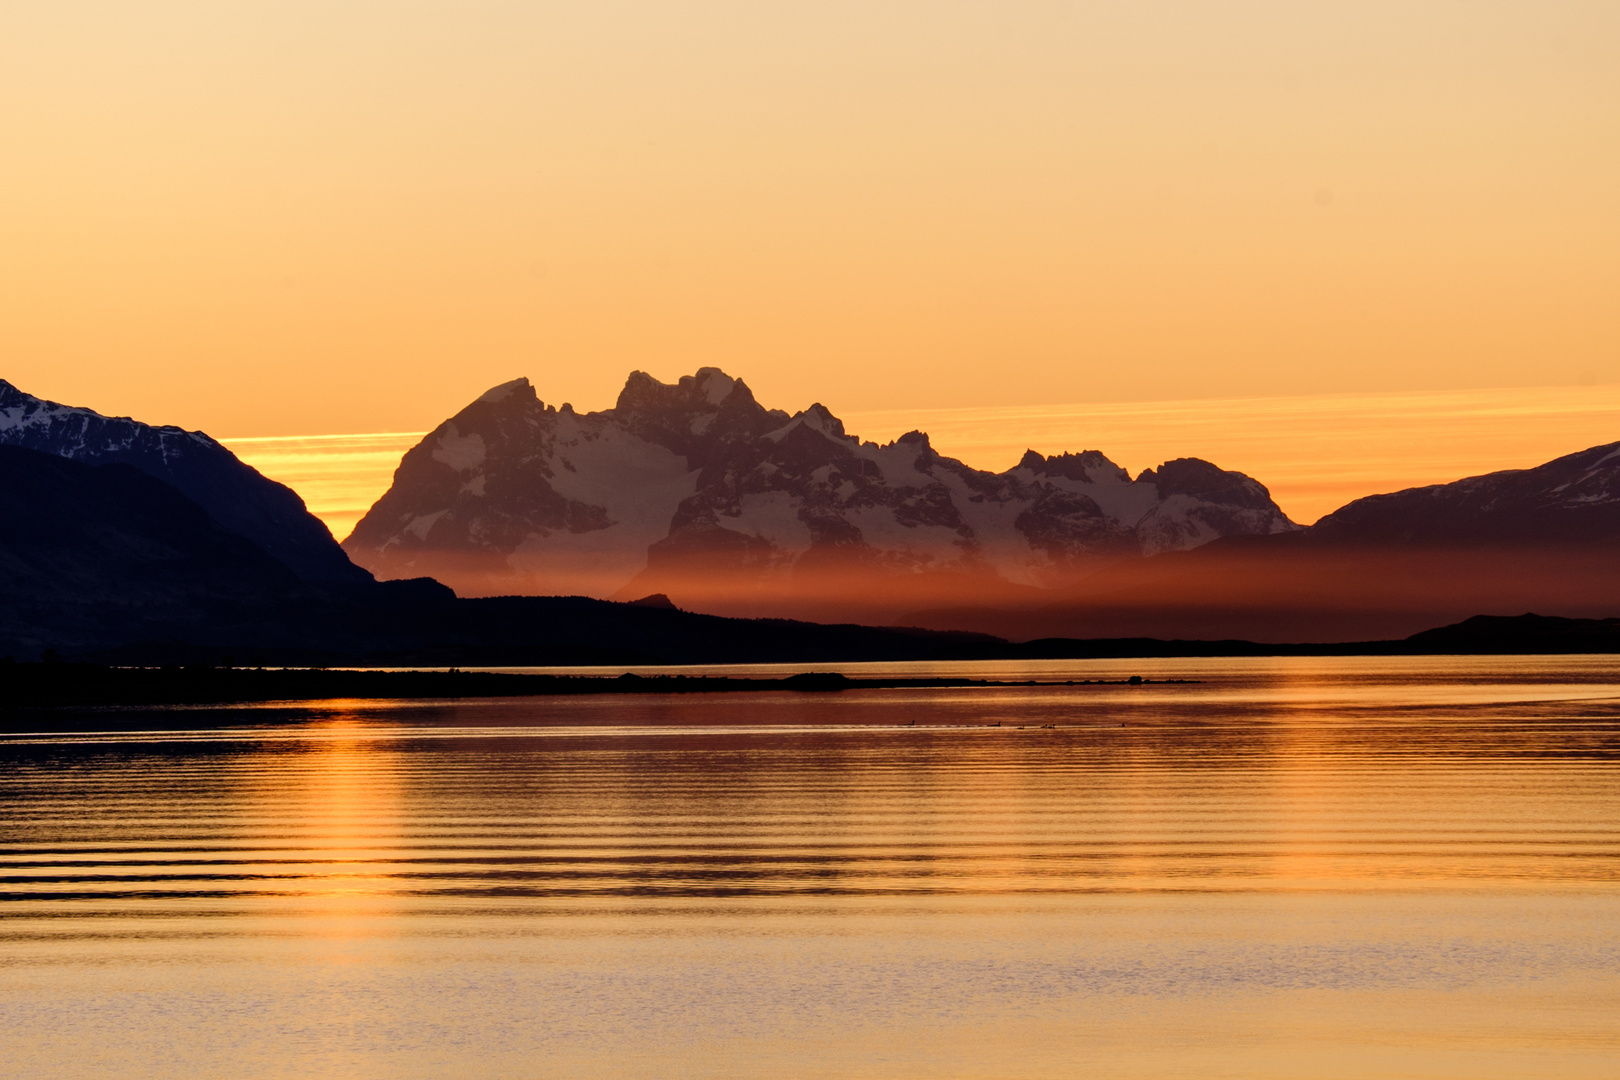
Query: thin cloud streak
column 339, row 476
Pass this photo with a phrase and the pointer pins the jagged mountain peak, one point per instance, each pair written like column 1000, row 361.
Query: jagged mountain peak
column 1088, row 466
column 518, row 388
column 708, row 390
column 514, row 400
column 1199, row 479
column 695, row 416
column 916, row 438
column 817, row 418
column 714, row 384
column 694, row 487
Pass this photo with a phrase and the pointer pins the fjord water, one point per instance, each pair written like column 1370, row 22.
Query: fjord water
column 1339, row 867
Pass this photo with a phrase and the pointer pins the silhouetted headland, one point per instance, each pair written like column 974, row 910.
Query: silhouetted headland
column 54, row 684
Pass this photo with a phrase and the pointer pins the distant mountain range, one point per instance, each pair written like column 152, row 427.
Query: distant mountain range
column 1542, row 539
column 135, row 543
column 698, row 491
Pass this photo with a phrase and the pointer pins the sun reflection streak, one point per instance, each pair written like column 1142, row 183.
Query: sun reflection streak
column 335, row 805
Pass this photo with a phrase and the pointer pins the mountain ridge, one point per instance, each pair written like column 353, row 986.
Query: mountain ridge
column 1574, row 498
column 105, row 562
column 235, row 494
column 697, row 490
column 1541, row 538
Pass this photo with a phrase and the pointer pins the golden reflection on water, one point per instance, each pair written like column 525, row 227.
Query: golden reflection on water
column 341, row 822
column 1306, row 867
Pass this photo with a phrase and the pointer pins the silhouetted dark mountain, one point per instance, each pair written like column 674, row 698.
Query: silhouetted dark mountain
column 1574, row 499
column 1527, row 633
column 234, row 494
column 95, row 554
column 697, row 491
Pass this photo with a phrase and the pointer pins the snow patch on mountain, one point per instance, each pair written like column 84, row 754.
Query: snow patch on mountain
column 422, row 525
column 717, row 385
column 630, row 476
column 72, row 432
column 497, row 394
column 898, row 462
column 462, row 453
column 772, row 516
column 910, row 542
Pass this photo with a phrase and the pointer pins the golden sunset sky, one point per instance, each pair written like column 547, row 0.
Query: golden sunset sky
column 312, row 219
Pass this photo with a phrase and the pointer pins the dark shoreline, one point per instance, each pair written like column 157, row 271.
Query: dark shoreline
column 706, row 640
column 59, row 685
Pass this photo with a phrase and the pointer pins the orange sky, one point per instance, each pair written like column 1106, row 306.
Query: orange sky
column 310, row 218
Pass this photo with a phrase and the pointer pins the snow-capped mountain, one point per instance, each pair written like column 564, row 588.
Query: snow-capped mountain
column 235, row 495
column 699, row 491
column 1574, row 499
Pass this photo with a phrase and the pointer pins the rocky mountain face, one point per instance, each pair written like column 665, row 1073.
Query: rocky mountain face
column 698, row 491
column 235, row 495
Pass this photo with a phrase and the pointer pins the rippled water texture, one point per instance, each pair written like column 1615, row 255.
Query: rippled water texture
column 1332, row 868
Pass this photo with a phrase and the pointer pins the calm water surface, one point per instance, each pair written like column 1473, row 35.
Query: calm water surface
column 1339, row 867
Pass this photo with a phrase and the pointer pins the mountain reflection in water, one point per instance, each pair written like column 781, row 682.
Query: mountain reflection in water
column 1335, row 866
